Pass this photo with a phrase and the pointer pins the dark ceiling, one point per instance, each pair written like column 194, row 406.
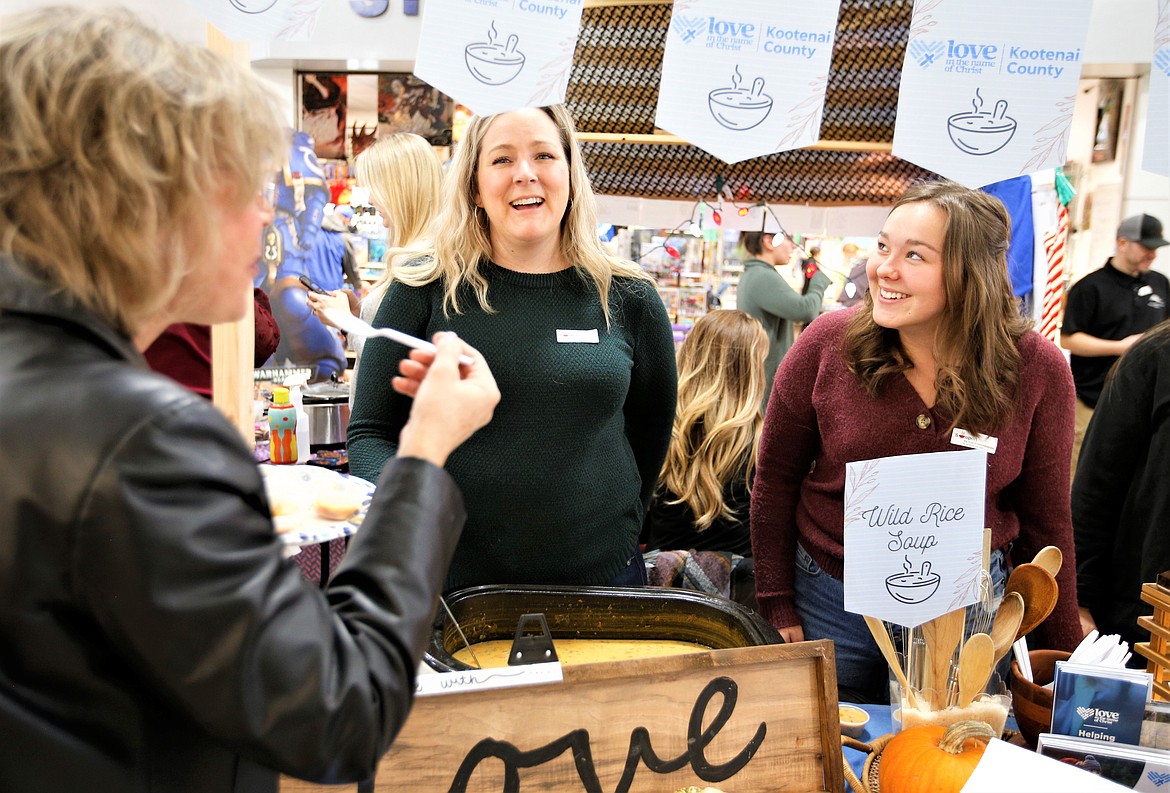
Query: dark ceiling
column 613, row 88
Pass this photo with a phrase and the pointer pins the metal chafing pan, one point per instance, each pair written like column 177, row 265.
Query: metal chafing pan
column 493, row 612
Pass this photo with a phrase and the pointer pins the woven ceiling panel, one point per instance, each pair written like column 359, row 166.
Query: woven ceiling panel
column 613, row 88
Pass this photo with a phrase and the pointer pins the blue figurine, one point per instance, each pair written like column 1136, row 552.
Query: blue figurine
column 288, row 253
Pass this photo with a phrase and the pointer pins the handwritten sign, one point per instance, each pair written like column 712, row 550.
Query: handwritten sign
column 499, row 55
column 752, row 720
column 914, row 534
column 1156, row 152
column 746, row 79
column 485, row 679
column 988, row 87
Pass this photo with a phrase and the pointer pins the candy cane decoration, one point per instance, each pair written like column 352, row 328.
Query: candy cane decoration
column 1054, row 244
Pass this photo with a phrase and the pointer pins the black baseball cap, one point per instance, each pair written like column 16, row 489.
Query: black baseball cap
column 1145, row 230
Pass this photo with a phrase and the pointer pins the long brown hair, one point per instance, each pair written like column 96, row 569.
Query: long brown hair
column 718, row 421
column 975, row 345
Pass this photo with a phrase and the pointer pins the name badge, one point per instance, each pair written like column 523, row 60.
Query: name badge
column 577, row 336
column 960, row 437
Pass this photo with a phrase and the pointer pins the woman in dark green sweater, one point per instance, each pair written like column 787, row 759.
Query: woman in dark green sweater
column 579, row 341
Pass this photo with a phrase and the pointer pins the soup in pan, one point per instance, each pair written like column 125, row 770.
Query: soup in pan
column 494, row 653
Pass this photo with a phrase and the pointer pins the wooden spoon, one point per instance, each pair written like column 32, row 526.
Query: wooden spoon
column 1050, row 558
column 1038, row 588
column 1007, row 623
column 942, row 634
column 886, row 645
column 976, row 660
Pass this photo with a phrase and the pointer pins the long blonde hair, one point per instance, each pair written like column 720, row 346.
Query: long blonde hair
column 405, row 179
column 718, row 421
column 975, row 344
column 112, row 135
column 461, row 235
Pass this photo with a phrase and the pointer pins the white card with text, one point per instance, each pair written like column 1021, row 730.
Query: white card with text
column 914, row 534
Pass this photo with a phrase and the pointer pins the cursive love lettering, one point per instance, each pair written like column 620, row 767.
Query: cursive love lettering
column 640, row 749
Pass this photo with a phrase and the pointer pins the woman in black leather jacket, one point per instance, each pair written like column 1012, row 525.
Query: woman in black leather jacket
column 153, row 637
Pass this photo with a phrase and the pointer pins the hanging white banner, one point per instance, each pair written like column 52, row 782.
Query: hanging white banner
column 261, row 20
column 746, row 78
column 988, row 86
column 1156, row 151
column 499, row 55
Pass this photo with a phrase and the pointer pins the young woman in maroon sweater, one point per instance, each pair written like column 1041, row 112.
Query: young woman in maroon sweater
column 938, row 344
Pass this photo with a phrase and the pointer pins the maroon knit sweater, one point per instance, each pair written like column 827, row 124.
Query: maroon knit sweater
column 819, row 418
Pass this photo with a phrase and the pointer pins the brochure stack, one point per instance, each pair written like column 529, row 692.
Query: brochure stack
column 1104, row 722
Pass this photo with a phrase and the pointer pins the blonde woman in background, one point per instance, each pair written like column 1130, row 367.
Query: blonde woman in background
column 405, row 180
column 557, row 490
column 703, row 495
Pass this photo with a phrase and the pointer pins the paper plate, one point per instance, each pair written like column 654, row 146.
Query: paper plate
column 294, row 490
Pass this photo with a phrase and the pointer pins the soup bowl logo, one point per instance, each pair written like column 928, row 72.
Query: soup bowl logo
column 740, row 108
column 980, row 132
column 913, row 586
column 492, row 63
column 253, row 6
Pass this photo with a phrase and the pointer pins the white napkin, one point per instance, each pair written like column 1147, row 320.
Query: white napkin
column 1020, row 653
column 1107, row 650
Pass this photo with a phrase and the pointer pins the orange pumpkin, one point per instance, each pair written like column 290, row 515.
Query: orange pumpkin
column 932, row 759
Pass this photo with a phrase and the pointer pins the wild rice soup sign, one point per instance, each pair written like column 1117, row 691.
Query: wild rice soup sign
column 499, row 55
column 746, row 78
column 914, row 534
column 988, row 86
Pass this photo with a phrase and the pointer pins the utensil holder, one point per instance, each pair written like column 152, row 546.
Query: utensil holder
column 991, row 707
column 1033, row 702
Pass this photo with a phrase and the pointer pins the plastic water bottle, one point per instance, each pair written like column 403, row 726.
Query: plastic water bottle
column 295, row 383
column 282, row 426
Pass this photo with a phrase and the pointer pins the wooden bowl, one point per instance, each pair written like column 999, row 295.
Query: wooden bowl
column 1032, row 702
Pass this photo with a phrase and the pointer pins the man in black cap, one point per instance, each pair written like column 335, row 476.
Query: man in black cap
column 1109, row 309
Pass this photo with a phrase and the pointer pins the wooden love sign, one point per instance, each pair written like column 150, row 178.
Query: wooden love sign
column 748, row 720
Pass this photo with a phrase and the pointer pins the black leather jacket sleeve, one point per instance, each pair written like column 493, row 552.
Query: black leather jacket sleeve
column 176, row 559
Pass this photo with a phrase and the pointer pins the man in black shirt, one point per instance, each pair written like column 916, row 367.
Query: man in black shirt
column 1109, row 309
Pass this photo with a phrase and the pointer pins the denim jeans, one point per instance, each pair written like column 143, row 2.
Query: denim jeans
column 862, row 672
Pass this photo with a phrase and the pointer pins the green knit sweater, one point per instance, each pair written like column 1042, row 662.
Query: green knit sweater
column 557, row 484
